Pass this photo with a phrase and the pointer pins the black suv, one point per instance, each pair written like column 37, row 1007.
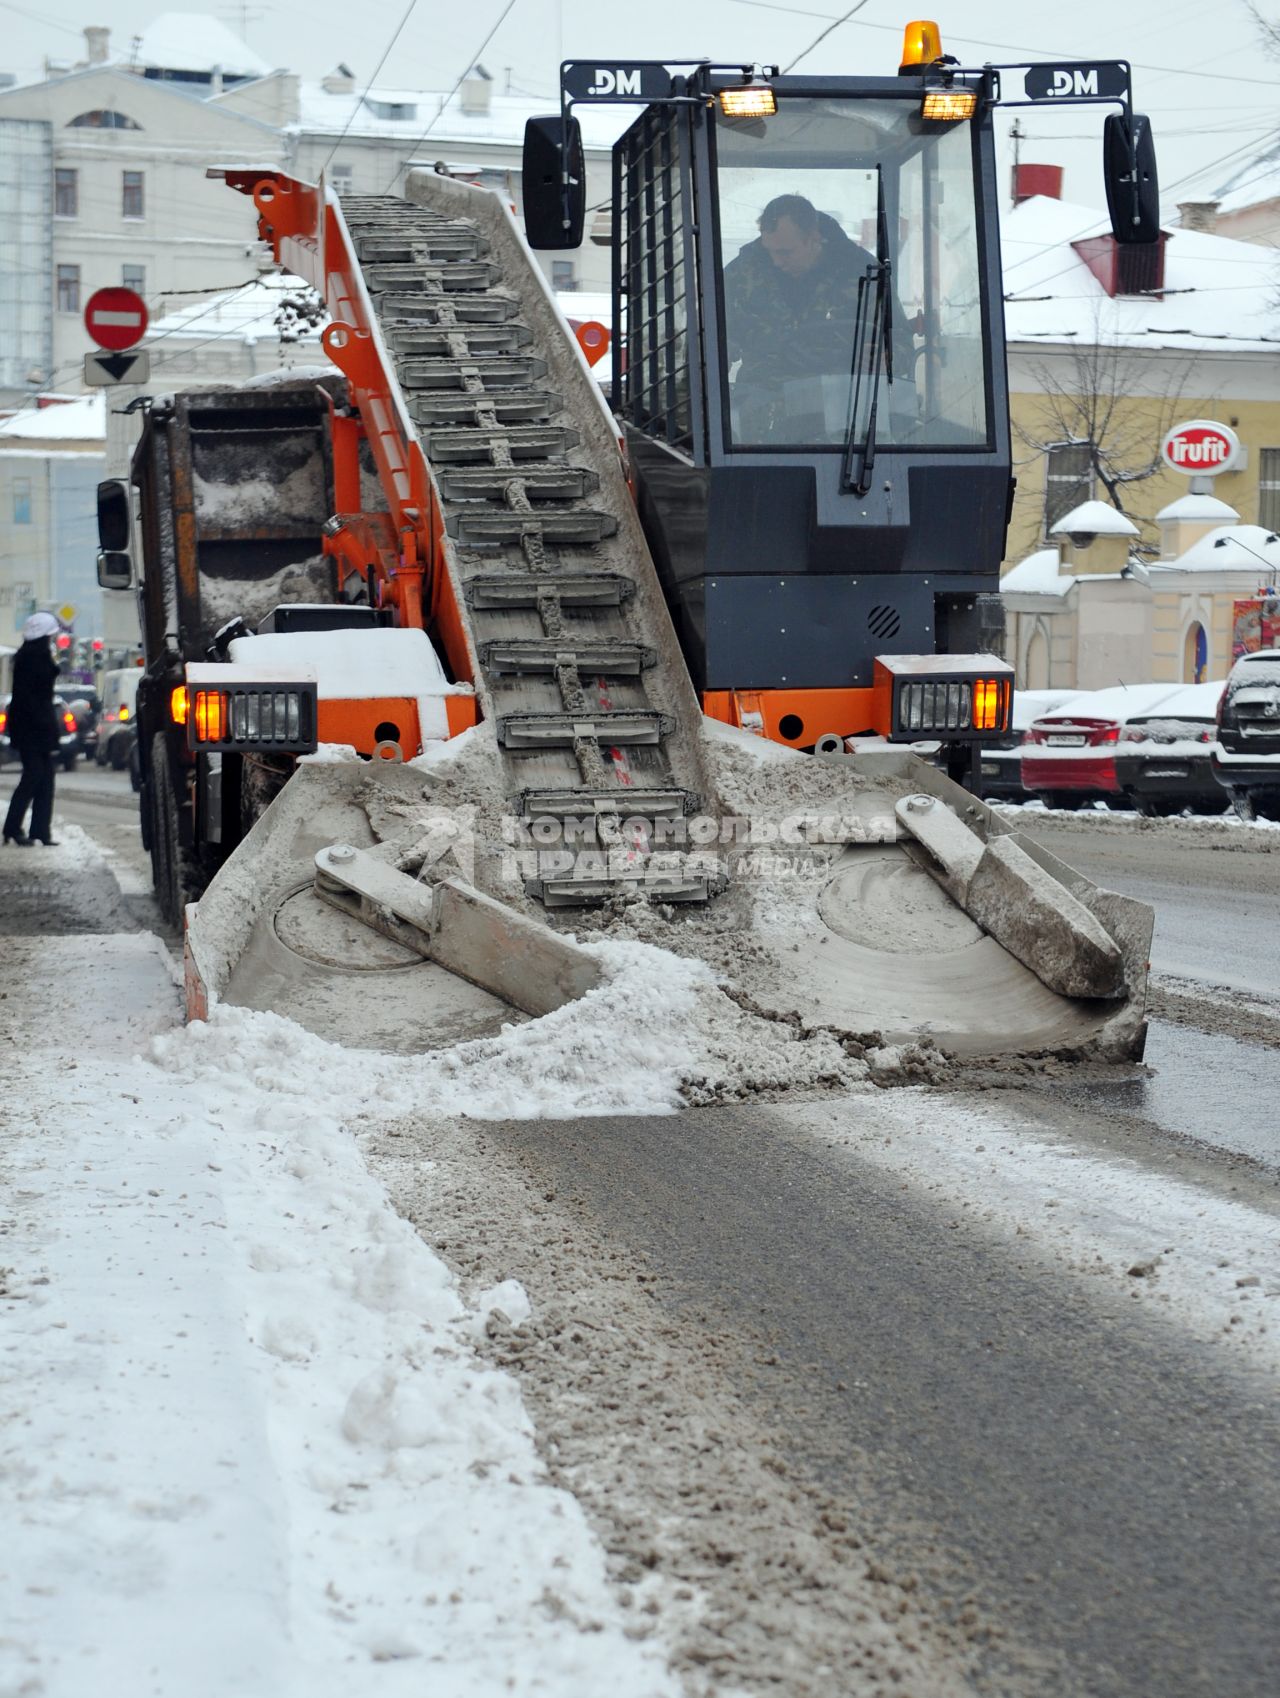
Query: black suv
column 1246, row 757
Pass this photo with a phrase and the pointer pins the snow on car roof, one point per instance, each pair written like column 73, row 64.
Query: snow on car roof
column 1190, row 701
column 1119, row 702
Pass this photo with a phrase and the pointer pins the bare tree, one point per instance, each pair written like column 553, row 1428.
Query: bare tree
column 1116, row 404
column 1268, row 30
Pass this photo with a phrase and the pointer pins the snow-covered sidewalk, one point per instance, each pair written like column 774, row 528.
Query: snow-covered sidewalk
column 247, row 1449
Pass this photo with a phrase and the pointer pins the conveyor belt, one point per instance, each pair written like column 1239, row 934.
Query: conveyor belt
column 571, row 675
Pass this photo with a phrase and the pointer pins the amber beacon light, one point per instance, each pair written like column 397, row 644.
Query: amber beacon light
column 921, row 44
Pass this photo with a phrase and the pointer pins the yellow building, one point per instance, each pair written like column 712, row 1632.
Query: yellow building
column 1109, row 347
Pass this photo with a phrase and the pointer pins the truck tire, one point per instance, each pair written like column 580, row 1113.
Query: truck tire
column 175, row 872
column 69, row 760
column 118, row 754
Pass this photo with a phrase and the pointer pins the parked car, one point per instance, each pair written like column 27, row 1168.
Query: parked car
column 85, row 704
column 1163, row 762
column 1246, row 756
column 1001, row 768
column 68, row 743
column 1068, row 758
column 117, row 725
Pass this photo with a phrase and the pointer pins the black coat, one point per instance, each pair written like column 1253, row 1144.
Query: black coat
column 33, row 719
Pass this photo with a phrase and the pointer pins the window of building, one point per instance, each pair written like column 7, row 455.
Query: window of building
column 134, row 277
column 68, row 288
column 340, row 178
column 66, row 193
column 1269, row 488
column 132, row 204
column 395, row 109
column 1068, row 480
column 102, row 120
column 22, row 501
column 563, row 279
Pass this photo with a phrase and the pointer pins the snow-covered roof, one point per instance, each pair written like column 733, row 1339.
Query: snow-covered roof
column 1219, row 293
column 1039, row 574
column 248, row 314
column 68, row 421
column 1198, row 507
column 1250, row 184
column 1231, row 548
column 357, row 114
column 1095, row 518
column 194, row 41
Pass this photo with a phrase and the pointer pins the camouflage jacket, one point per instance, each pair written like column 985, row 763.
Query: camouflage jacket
column 781, row 326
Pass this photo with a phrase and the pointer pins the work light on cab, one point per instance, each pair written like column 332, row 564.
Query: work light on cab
column 753, row 100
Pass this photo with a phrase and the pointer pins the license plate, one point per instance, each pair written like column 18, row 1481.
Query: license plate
column 1168, row 772
column 990, row 769
column 1065, row 742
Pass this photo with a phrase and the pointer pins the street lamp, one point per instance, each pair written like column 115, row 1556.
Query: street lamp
column 1269, row 564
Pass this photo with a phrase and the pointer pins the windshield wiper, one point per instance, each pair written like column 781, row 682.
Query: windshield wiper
column 873, row 324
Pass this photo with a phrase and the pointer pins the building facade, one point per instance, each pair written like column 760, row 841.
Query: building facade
column 51, row 460
column 1106, row 354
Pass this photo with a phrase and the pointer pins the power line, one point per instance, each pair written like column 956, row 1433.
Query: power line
column 444, row 104
column 1006, row 46
column 823, row 34
column 361, row 98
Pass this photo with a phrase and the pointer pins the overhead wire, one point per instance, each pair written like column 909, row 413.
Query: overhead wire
column 444, row 104
column 823, row 34
column 361, row 98
column 1006, row 46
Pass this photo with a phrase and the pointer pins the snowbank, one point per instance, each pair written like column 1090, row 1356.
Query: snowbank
column 248, row 1448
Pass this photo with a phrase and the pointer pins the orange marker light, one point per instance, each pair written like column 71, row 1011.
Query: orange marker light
column 211, row 716
column 921, row 43
column 179, row 705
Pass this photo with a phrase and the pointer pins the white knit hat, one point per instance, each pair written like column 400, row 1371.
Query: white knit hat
column 39, row 625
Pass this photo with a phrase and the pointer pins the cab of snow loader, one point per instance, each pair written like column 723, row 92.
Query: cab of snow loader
column 809, row 366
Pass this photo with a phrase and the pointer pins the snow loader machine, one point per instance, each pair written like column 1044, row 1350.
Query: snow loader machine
column 708, row 663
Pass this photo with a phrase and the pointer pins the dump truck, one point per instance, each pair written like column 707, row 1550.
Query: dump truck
column 563, row 665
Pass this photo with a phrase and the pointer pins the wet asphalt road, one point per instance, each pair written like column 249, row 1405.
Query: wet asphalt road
column 1104, row 1489
column 1214, row 907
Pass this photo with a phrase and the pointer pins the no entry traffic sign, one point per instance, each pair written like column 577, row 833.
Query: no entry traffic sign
column 116, row 318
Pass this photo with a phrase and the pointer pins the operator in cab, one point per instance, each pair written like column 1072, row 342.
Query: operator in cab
column 791, row 299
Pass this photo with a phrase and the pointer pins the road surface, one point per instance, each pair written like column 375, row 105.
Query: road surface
column 1006, row 1352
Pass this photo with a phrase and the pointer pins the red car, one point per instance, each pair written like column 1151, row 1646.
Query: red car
column 1068, row 756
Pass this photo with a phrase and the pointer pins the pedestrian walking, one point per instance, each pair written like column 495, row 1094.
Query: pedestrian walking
column 33, row 732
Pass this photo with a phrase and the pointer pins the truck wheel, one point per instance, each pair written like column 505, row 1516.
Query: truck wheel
column 175, row 872
column 119, row 755
column 1068, row 800
column 68, row 760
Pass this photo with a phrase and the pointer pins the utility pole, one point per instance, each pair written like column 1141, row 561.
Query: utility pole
column 1017, row 135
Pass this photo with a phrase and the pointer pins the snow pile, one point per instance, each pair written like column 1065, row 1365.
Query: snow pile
column 655, row 1036
column 247, row 1446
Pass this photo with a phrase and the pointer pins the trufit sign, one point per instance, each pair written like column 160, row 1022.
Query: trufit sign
column 1200, row 448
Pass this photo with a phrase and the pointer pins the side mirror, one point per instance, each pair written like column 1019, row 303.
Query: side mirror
column 554, row 210
column 113, row 515
column 115, row 569
column 1133, row 188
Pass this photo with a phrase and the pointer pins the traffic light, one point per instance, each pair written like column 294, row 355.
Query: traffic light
column 97, row 648
column 63, row 640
